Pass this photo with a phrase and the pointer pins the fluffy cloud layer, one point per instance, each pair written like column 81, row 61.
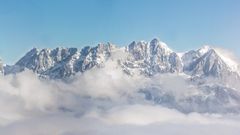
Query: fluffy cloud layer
column 100, row 102
column 128, row 120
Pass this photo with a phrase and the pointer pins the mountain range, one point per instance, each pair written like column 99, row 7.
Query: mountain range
column 214, row 75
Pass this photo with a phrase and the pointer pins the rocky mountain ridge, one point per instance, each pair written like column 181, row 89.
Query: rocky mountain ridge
column 147, row 58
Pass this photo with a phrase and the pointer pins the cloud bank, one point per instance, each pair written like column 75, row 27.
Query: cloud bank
column 101, row 102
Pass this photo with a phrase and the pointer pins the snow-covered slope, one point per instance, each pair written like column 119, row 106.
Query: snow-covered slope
column 62, row 62
column 147, row 58
column 206, row 62
column 215, row 76
column 151, row 58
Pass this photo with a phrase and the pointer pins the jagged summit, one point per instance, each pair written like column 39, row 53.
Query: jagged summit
column 207, row 61
column 150, row 58
column 62, row 62
column 147, row 58
column 156, row 43
column 204, row 49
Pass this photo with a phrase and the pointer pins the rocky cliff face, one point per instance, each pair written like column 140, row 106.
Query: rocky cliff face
column 62, row 62
column 151, row 58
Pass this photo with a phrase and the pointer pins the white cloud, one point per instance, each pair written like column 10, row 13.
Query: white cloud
column 128, row 120
column 100, row 102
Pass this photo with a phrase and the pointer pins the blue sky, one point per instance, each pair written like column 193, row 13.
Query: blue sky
column 182, row 24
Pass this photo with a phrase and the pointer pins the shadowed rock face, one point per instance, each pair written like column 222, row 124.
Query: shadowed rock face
column 209, row 64
column 151, row 58
column 62, row 62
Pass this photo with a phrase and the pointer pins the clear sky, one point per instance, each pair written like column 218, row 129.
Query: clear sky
column 182, row 24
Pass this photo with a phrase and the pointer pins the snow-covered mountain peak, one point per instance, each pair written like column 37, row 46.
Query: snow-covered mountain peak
column 108, row 47
column 206, row 68
column 221, row 55
column 157, row 44
column 136, row 45
column 204, row 49
column 148, row 58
